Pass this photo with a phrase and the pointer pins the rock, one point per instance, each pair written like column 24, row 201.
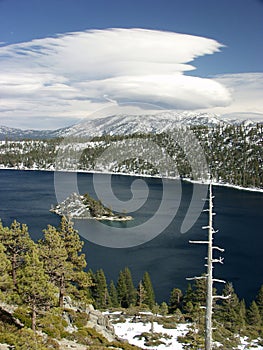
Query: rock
column 6, row 347
column 101, row 323
column 96, row 320
column 65, row 344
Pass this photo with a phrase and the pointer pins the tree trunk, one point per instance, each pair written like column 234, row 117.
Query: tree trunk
column 34, row 316
column 61, row 291
column 14, row 262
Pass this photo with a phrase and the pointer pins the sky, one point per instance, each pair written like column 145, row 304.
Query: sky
column 63, row 60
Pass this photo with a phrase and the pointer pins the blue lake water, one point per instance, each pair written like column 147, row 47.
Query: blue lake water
column 169, row 258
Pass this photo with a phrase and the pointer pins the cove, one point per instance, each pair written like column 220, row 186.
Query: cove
column 169, row 258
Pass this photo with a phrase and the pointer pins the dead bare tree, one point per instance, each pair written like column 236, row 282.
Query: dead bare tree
column 209, row 273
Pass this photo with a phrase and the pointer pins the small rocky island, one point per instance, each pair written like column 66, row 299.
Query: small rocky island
column 85, row 207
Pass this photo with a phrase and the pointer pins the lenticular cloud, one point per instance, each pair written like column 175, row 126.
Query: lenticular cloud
column 76, row 70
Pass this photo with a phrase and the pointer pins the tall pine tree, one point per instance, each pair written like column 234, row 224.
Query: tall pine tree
column 259, row 301
column 33, row 285
column 101, row 295
column 54, row 256
column 147, row 284
column 125, row 289
column 113, row 295
column 17, row 243
column 5, row 270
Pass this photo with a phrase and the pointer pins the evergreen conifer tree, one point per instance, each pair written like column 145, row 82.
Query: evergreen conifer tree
column 131, row 291
column 125, row 289
column 17, row 243
column 5, row 269
column 73, row 245
column 253, row 315
column 141, row 294
column 147, row 284
column 113, row 295
column 175, row 300
column 122, row 290
column 229, row 310
column 164, row 308
column 259, row 301
column 101, row 295
column 54, row 256
column 33, row 285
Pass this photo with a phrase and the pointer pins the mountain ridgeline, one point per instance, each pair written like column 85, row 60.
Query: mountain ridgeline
column 233, row 153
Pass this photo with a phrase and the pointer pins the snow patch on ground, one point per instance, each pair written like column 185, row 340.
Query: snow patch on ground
column 129, row 330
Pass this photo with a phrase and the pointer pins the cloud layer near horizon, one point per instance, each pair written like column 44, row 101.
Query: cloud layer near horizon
column 73, row 74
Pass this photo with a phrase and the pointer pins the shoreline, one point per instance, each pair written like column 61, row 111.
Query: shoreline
column 201, row 182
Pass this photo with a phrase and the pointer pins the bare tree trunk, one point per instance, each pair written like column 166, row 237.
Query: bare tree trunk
column 209, row 295
column 61, row 290
column 14, row 262
column 34, row 316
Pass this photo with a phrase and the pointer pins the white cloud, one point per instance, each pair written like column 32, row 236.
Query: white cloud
column 70, row 75
column 247, row 95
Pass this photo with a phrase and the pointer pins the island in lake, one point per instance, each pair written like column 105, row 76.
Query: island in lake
column 85, row 207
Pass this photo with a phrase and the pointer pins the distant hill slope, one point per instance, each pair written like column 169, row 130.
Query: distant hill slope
column 122, row 125
column 19, row 134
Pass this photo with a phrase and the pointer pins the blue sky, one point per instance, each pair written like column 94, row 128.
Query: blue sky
column 229, row 66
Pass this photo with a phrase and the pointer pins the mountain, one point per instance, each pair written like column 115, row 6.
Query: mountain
column 123, row 125
column 19, row 134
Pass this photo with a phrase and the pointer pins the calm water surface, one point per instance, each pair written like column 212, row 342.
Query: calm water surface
column 28, row 195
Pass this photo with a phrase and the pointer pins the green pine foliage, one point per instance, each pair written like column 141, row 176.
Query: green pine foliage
column 17, row 243
column 149, row 292
column 125, row 289
column 233, row 152
column 5, row 272
column 175, row 301
column 33, row 285
column 114, row 303
column 259, row 301
column 253, row 316
column 53, row 268
column 101, row 294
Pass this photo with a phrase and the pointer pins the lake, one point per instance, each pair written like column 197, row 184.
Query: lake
column 169, row 258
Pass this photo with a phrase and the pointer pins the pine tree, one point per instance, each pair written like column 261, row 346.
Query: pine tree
column 253, row 315
column 101, row 295
column 122, row 290
column 33, row 285
column 147, row 284
column 175, row 300
column 199, row 292
column 242, row 315
column 131, row 292
column 125, row 289
column 164, row 308
column 113, row 295
column 17, row 242
column 73, row 245
column 54, row 256
column 188, row 295
column 141, row 294
column 259, row 301
column 5, row 269
column 228, row 311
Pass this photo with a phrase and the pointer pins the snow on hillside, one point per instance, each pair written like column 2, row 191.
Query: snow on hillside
column 129, row 330
column 124, row 124
column 145, row 123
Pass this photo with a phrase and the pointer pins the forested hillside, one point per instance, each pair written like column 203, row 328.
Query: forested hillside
column 234, row 154
column 39, row 279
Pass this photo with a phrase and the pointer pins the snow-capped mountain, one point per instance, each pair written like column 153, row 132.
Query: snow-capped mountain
column 144, row 123
column 18, row 134
column 123, row 125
